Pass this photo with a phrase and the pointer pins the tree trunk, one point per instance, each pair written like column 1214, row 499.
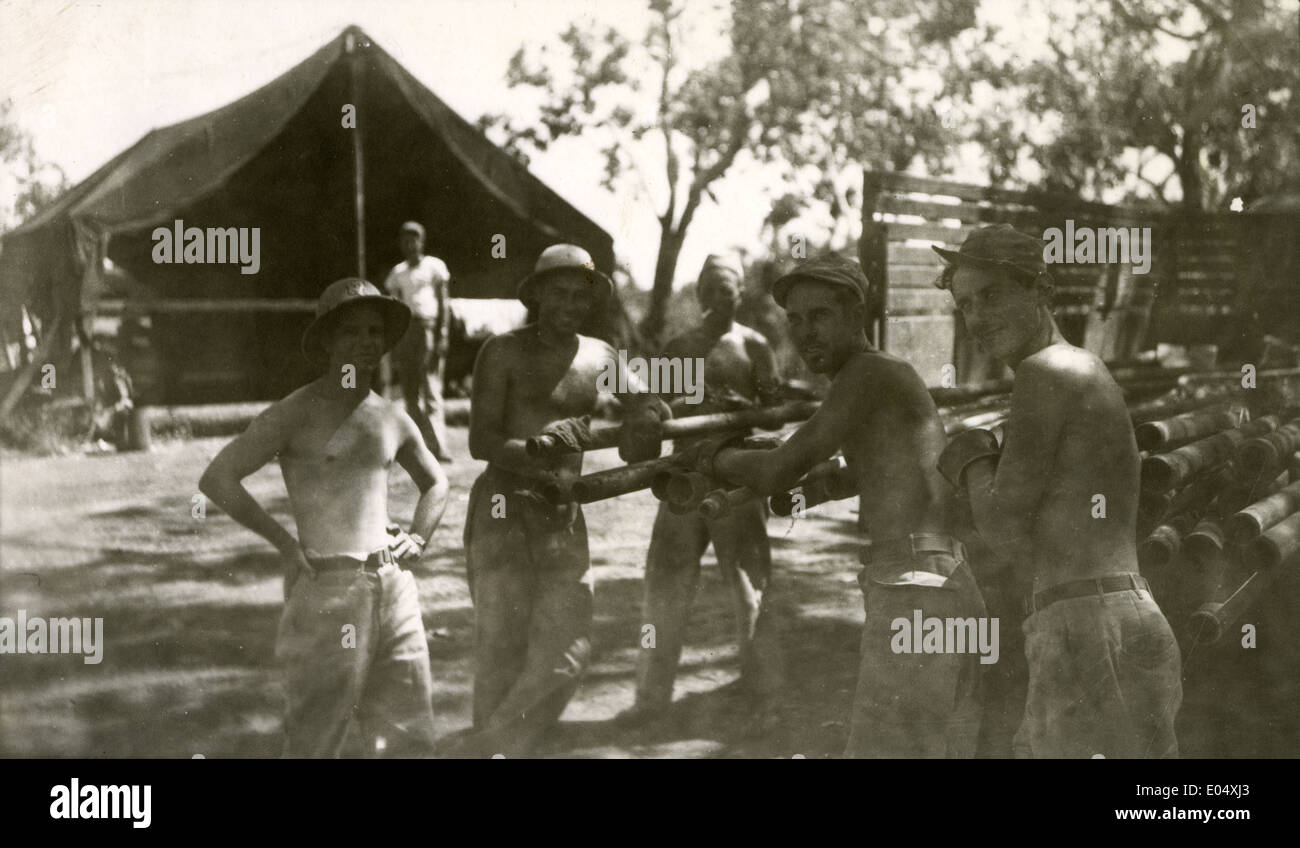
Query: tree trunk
column 1189, row 172
column 670, row 247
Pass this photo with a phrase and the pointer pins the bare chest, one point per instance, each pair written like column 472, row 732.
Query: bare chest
column 546, row 386
column 364, row 438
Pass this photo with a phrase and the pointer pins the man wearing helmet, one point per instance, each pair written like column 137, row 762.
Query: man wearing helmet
column 528, row 563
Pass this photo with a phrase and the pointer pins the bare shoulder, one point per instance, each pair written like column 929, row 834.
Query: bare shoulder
column 1063, row 367
column 882, row 372
column 752, row 336
column 595, row 347
column 687, row 340
column 506, row 345
column 394, row 414
column 391, row 410
column 293, row 408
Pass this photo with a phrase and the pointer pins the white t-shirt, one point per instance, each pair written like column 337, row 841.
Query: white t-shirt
column 415, row 286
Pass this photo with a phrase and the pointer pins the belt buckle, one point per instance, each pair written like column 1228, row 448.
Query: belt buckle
column 381, row 558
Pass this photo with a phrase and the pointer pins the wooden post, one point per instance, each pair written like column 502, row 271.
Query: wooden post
column 873, row 253
column 358, row 159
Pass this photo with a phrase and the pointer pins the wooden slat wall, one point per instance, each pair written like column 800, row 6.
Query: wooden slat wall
column 1106, row 309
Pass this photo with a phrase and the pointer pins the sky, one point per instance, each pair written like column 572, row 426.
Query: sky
column 87, row 79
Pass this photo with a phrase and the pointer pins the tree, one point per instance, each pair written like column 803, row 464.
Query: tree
column 1152, row 97
column 808, row 84
column 30, row 184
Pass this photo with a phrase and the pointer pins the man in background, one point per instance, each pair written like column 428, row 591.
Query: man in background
column 421, row 282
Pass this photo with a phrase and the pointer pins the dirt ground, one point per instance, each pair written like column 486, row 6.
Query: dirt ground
column 190, row 609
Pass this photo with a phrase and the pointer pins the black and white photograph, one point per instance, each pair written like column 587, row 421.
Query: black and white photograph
column 649, row 379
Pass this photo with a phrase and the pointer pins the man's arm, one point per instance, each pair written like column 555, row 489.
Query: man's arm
column 428, row 476
column 642, row 414
column 222, row 481
column 767, row 375
column 1004, row 495
column 442, row 335
column 770, row 471
column 487, row 416
column 390, row 283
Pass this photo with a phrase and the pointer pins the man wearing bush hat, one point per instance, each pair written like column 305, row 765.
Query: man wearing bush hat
column 351, row 639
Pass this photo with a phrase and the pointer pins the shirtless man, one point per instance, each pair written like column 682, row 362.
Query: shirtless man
column 528, row 564
column 738, row 362
column 1058, row 501
column 351, row 639
column 879, row 414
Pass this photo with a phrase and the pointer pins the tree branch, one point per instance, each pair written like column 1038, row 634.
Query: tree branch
column 1153, row 23
column 672, row 165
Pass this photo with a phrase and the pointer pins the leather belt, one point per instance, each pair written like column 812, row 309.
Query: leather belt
column 906, row 547
column 1084, row 588
column 377, row 560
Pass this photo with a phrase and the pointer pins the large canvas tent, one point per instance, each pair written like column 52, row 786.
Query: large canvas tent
column 328, row 200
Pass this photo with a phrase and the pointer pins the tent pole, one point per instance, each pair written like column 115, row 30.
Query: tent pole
column 358, row 166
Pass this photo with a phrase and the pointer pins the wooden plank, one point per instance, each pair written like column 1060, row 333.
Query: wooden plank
column 206, row 305
column 1026, row 219
column 911, row 276
column 970, row 192
column 24, row 377
column 952, row 236
column 929, row 210
column 902, row 183
column 925, row 341
column 902, row 254
column 927, row 301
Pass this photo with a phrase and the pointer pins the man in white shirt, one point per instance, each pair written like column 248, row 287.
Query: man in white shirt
column 420, row 282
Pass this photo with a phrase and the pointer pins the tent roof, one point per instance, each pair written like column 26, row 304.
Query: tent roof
column 171, row 169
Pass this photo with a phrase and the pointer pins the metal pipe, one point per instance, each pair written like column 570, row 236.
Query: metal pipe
column 1240, row 495
column 1164, row 542
column 1168, row 433
column 1204, row 545
column 835, row 485
column 1212, row 619
column 1162, row 472
column 600, row 485
column 607, row 435
column 717, row 502
column 1275, row 545
column 1152, row 507
column 1245, row 525
column 1256, row 456
column 1164, row 407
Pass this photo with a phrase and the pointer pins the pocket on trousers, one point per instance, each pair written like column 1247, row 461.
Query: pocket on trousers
column 1152, row 646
